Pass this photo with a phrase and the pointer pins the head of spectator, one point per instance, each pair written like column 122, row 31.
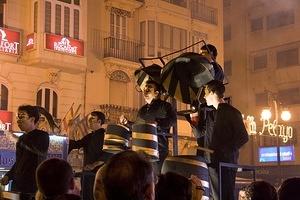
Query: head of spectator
column 209, row 51
column 128, row 176
column 260, row 190
column 289, row 189
column 96, row 120
column 173, row 186
column 54, row 178
column 99, row 192
column 28, row 117
column 214, row 93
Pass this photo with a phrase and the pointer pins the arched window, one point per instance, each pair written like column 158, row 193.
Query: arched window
column 4, row 97
column 118, row 92
column 47, row 98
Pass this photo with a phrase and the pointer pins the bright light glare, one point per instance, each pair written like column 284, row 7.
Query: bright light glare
column 266, row 114
column 286, row 115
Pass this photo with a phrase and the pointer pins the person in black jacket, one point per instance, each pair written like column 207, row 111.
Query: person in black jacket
column 31, row 150
column 92, row 145
column 225, row 134
column 158, row 112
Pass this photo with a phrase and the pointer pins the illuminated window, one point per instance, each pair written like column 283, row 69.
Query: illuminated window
column 47, row 98
column 67, row 16
column 4, row 97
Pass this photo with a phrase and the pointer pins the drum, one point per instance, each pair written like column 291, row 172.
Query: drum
column 116, row 138
column 144, row 138
column 186, row 165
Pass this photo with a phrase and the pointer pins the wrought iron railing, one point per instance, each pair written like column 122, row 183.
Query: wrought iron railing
column 203, row 13
column 113, row 112
column 122, row 48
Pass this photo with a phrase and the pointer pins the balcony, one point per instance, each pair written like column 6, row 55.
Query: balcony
column 113, row 112
column 123, row 49
column 204, row 13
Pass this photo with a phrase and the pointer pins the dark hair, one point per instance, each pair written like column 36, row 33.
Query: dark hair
column 173, row 186
column 53, row 177
column 217, row 87
column 210, row 48
column 32, row 111
column 261, row 190
column 127, row 176
column 99, row 115
column 158, row 87
column 289, row 189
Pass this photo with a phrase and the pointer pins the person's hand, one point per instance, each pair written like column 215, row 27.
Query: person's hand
column 4, row 180
column 123, row 120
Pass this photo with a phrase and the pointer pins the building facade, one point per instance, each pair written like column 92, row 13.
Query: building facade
column 261, row 61
column 59, row 53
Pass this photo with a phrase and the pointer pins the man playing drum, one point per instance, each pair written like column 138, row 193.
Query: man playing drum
column 155, row 111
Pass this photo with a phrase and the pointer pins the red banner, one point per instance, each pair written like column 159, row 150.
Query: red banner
column 9, row 41
column 5, row 120
column 64, row 45
column 30, row 41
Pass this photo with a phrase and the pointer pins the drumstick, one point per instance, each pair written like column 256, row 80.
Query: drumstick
column 205, row 149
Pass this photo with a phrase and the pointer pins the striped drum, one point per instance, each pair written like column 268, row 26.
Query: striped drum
column 144, row 138
column 116, row 138
column 186, row 165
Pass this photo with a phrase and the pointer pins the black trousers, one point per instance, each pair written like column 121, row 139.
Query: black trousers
column 228, row 183
column 87, row 185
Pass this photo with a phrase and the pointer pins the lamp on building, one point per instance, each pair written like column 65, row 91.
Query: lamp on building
column 266, row 114
column 286, row 115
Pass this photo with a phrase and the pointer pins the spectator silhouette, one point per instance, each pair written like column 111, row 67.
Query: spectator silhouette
column 260, row 190
column 55, row 180
column 289, row 189
column 127, row 176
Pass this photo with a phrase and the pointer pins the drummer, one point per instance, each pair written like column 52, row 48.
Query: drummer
column 155, row 111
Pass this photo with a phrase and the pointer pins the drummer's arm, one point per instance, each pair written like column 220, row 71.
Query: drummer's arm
column 77, row 144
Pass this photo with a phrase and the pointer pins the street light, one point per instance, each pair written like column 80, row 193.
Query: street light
column 266, row 114
column 286, row 115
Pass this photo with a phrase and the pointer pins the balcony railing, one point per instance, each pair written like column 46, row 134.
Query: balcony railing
column 113, row 112
column 123, row 49
column 204, row 13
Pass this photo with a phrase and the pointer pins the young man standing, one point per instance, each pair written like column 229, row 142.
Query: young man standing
column 225, row 134
column 31, row 150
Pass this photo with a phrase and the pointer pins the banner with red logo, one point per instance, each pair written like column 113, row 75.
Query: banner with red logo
column 30, row 41
column 10, row 41
column 6, row 118
column 64, row 45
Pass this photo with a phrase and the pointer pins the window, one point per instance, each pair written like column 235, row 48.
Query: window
column 66, row 20
column 151, row 38
column 196, row 37
column 118, row 23
column 260, row 62
column 289, row 96
column 76, row 24
column 2, row 14
column 280, row 19
column 48, row 17
column 261, row 99
column 256, row 24
column 118, row 92
column 226, row 3
column 287, row 58
column 48, row 99
column 182, row 3
column 4, row 97
column 35, row 16
column 57, row 19
column 227, row 33
column 171, row 38
column 228, row 68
